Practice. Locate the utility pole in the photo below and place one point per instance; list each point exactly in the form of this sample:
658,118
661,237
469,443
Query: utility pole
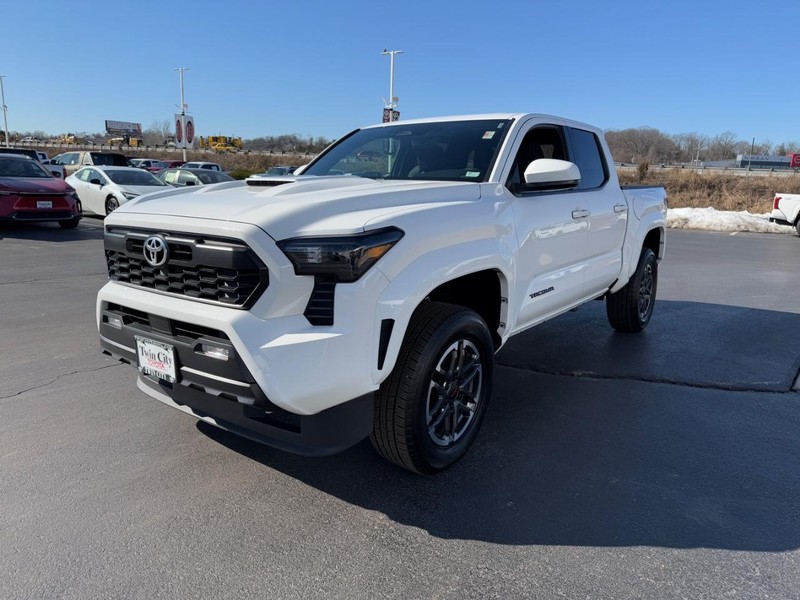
750,156
183,110
5,108
392,104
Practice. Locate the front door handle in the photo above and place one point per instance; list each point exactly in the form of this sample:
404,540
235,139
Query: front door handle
580,214
620,208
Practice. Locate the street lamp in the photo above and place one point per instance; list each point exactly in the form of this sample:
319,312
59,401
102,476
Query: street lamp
183,110
5,108
392,104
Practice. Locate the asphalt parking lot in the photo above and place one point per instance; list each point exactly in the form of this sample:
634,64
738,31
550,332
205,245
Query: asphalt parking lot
663,465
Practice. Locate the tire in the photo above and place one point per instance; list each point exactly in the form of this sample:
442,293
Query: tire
71,224
112,204
797,225
629,310
428,413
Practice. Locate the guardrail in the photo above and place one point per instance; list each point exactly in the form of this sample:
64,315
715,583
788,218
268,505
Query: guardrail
741,171
153,148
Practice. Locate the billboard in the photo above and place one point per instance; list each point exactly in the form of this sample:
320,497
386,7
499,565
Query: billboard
123,128
184,131
795,160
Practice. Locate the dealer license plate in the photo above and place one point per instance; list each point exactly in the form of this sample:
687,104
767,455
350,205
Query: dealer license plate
156,359
44,204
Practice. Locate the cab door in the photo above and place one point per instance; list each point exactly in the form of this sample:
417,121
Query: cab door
551,231
608,211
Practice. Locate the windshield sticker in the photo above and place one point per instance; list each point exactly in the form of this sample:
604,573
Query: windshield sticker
500,126
472,174
488,135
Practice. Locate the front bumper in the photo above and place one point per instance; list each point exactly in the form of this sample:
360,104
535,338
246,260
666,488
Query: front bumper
224,392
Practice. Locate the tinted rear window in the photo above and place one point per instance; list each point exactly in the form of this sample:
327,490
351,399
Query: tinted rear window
31,153
114,160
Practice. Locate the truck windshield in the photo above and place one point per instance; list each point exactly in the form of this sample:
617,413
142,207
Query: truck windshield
442,151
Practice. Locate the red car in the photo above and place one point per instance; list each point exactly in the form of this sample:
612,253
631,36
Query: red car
29,192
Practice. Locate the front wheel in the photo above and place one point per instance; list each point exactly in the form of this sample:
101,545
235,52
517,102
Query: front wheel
428,412
629,310
112,204
797,225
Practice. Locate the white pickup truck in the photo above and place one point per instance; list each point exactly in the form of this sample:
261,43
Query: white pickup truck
368,295
786,210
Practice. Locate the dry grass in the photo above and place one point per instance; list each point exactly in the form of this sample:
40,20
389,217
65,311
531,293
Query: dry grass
723,191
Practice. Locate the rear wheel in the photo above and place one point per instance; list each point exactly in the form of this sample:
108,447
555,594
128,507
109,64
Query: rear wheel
629,310
112,204
797,225
428,412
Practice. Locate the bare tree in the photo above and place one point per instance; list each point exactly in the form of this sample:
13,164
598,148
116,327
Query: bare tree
725,146
158,133
643,144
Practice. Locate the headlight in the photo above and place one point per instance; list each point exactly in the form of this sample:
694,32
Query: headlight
130,195
346,258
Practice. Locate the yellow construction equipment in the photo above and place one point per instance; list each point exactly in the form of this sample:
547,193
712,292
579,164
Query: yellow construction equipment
126,140
221,143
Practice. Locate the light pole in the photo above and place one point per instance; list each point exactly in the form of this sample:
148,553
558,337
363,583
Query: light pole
183,109
392,104
5,108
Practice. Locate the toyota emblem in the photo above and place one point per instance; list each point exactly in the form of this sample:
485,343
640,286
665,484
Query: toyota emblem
156,251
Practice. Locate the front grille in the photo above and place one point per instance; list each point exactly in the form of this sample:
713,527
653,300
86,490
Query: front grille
209,269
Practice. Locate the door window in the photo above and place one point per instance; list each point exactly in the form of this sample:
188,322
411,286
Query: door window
589,158
543,141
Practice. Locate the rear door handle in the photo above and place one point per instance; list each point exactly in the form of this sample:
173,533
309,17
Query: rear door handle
620,208
580,214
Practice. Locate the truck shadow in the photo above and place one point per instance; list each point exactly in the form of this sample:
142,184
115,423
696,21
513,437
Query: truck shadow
604,458
87,229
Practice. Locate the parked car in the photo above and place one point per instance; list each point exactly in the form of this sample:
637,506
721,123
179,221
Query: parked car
172,164
30,140
56,170
211,166
102,189
29,192
150,164
73,161
280,170
184,177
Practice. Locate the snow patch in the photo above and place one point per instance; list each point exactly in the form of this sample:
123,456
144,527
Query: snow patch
711,219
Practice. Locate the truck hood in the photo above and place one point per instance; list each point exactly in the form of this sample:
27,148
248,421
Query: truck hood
287,207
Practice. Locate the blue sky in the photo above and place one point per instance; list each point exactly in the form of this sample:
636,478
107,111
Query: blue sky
315,67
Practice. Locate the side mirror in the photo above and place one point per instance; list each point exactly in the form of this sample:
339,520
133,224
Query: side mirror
190,182
551,174
96,181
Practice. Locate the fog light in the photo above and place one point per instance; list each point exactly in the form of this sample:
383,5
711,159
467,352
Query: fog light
114,321
214,351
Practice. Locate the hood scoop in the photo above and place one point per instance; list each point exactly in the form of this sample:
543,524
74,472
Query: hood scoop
269,181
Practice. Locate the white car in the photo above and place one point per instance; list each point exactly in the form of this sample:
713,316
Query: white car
102,189
211,166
